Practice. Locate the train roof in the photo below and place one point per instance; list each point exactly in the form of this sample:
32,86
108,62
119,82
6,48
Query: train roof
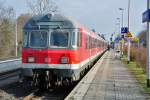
47,19
44,21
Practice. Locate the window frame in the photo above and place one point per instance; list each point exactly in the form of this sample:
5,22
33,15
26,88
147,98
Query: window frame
29,33
50,32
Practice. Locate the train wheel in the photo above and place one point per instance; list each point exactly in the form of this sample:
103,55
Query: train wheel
35,82
42,82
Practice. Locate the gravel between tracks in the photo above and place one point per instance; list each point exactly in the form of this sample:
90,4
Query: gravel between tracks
6,96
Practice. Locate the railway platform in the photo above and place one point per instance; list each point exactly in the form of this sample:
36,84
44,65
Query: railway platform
109,79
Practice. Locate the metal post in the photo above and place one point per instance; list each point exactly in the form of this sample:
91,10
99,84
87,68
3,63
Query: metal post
119,31
122,46
122,41
123,34
148,49
121,9
128,14
129,44
119,25
16,39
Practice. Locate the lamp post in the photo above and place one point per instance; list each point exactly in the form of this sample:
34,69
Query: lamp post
122,35
118,23
129,44
148,49
119,31
129,14
16,39
146,18
122,10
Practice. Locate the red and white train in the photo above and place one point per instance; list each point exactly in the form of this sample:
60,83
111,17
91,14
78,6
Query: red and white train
57,49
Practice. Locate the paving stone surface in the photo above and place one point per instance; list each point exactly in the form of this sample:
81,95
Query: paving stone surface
113,81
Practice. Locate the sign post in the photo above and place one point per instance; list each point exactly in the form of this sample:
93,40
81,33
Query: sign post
128,35
146,18
148,47
123,31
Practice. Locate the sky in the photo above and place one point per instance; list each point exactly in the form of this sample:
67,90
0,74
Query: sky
98,14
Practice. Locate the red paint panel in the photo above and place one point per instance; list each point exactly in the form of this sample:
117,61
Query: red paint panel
54,56
50,56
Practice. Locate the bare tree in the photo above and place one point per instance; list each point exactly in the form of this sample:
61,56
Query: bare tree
6,12
42,6
6,30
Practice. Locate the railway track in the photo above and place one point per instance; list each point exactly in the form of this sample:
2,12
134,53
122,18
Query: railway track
56,94
10,71
24,91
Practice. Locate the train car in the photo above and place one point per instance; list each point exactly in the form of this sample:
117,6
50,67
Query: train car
58,49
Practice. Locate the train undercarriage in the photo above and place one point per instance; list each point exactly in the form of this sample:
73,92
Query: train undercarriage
47,79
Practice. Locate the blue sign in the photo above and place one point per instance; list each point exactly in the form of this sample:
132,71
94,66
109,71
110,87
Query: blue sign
117,39
146,16
124,30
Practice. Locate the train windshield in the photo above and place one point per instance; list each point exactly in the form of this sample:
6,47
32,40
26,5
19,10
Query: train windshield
38,39
59,39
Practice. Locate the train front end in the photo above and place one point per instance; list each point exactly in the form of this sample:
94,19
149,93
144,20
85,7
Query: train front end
50,52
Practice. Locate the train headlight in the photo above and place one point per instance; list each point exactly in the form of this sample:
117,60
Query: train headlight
31,59
47,60
64,60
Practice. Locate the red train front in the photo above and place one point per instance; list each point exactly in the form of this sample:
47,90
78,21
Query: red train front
57,49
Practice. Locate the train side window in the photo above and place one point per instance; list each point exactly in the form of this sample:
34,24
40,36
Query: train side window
87,42
80,39
25,39
74,39
90,42
79,42
95,43
100,43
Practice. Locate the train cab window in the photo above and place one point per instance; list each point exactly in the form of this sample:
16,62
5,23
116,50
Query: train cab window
25,39
59,39
38,39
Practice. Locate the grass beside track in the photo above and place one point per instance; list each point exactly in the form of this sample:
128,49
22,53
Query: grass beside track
138,73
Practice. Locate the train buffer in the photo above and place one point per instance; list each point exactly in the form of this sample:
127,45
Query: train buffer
109,79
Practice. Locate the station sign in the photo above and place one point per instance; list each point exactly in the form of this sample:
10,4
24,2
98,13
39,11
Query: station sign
146,16
117,39
135,39
128,34
124,30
